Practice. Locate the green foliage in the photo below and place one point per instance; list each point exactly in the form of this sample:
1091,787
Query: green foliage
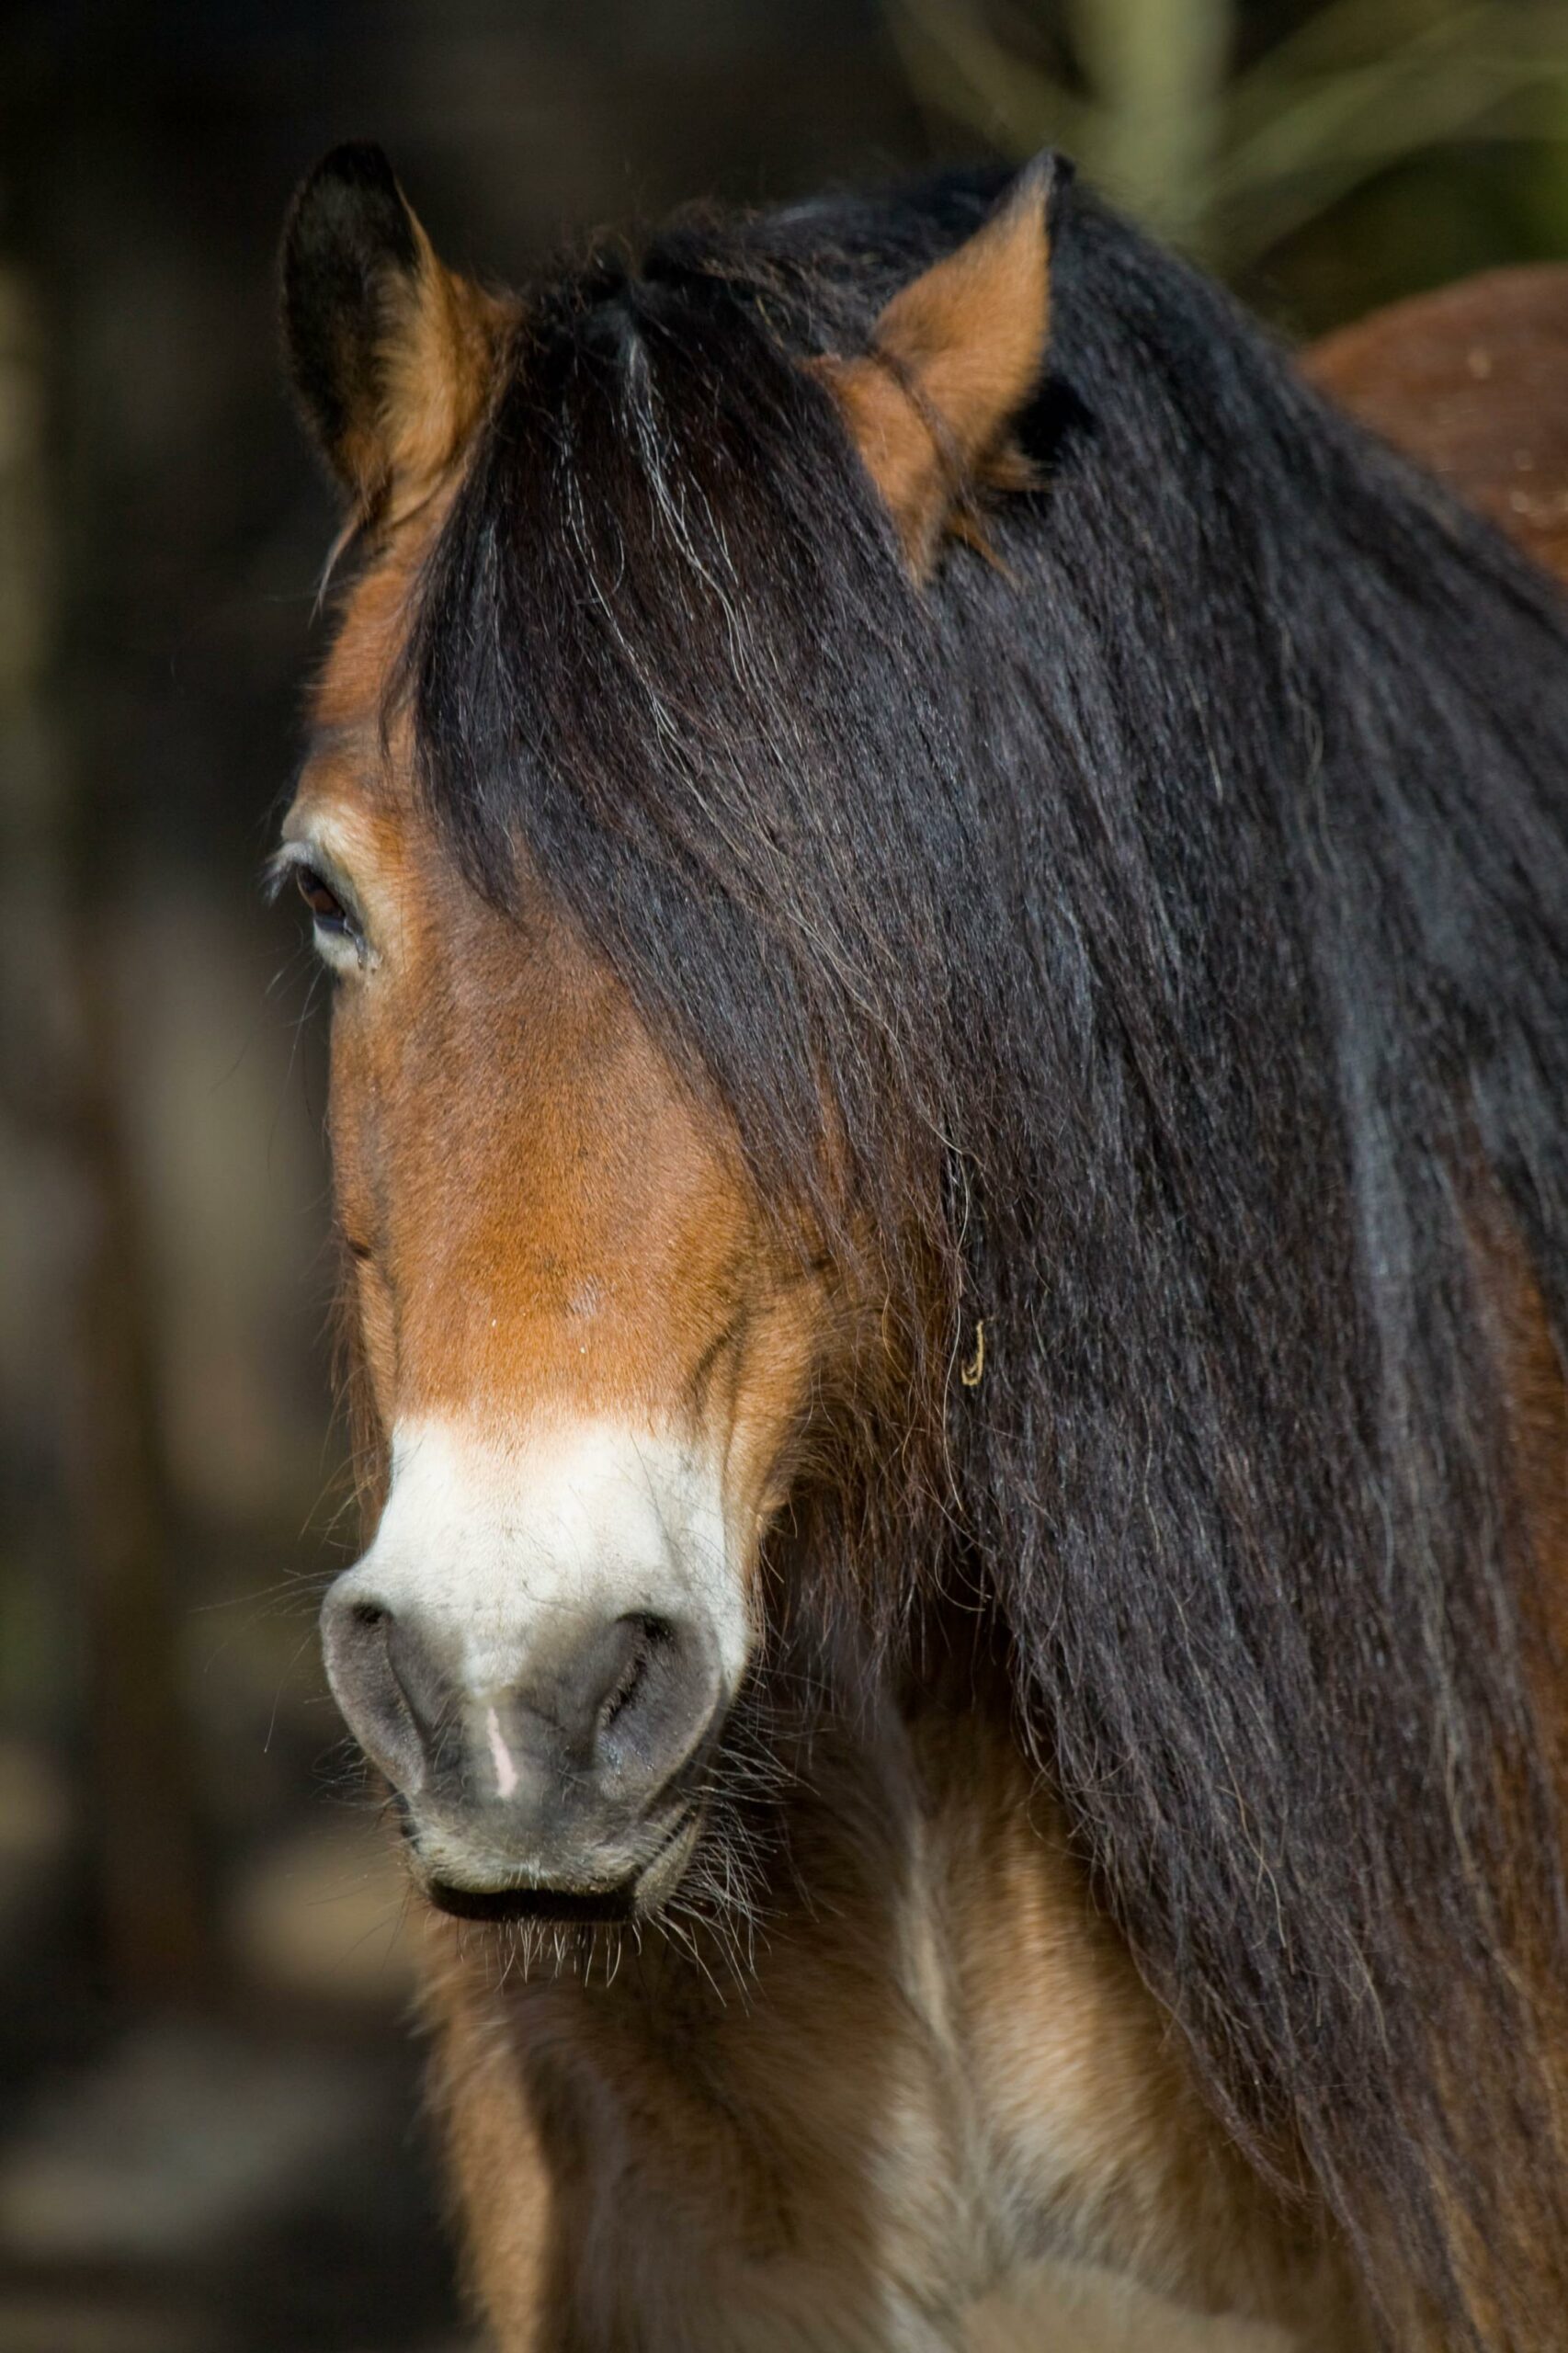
1233,148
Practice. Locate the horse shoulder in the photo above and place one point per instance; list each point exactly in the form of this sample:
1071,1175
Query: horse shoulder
1472,382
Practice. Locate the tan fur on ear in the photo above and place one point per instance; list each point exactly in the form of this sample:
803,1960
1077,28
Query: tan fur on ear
437,363
952,359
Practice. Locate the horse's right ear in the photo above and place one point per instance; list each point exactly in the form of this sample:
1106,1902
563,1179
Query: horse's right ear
954,358
390,354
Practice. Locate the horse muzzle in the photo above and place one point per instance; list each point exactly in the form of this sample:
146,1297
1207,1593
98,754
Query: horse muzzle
540,1663
576,1780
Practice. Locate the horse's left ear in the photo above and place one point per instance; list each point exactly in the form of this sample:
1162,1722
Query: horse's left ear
391,353
953,359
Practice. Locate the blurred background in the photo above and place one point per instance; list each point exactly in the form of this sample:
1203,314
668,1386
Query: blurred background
209,2139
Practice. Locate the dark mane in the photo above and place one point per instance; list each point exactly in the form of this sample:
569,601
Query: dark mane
1173,918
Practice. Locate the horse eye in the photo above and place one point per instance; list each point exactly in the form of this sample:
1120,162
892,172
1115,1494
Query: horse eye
323,903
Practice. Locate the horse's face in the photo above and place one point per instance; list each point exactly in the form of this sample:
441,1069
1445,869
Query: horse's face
584,1355
589,1349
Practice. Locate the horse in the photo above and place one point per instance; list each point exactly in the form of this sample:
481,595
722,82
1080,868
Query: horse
948,898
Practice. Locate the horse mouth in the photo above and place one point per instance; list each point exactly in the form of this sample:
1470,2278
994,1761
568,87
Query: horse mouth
548,1906
635,1896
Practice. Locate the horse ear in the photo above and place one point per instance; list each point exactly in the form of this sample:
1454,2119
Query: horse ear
390,353
953,359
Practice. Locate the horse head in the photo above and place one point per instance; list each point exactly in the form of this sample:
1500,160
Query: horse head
595,1352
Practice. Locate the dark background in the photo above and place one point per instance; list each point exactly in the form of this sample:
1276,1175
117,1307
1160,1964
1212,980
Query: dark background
208,2137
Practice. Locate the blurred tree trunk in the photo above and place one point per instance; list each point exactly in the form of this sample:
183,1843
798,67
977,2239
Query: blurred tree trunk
60,1065
1158,69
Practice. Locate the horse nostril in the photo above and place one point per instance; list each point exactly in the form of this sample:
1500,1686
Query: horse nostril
384,1685
648,1634
655,1703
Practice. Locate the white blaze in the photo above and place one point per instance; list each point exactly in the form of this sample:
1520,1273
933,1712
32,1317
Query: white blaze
494,1541
506,1771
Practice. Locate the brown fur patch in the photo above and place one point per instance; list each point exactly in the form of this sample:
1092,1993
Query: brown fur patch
1472,382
